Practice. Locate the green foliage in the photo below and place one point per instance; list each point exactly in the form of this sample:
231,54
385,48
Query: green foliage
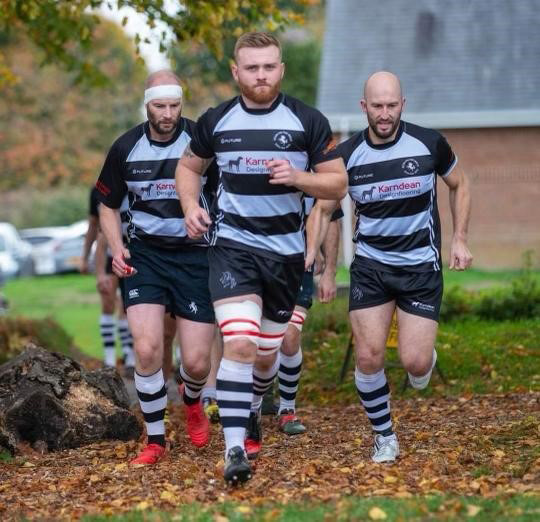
66,32
55,131
519,301
27,208
16,333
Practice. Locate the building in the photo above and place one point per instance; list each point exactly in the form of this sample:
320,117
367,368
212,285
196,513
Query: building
469,69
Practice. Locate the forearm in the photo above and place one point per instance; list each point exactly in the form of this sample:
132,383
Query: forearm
328,185
317,225
109,220
460,207
90,237
188,185
101,254
330,248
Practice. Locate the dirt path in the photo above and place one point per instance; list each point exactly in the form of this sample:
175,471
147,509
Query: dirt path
486,445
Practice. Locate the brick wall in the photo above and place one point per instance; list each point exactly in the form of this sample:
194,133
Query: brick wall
504,168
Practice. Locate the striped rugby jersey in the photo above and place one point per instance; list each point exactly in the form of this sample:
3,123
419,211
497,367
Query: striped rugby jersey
144,169
249,213
394,187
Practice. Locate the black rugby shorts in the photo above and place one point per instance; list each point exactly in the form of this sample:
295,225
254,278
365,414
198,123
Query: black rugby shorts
235,272
418,293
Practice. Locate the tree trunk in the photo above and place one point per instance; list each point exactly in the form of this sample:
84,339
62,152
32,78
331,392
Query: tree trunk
49,401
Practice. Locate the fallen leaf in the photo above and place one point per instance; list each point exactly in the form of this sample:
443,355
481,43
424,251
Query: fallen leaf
473,510
376,513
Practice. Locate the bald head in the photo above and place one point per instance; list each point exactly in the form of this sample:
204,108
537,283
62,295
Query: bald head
382,83
162,77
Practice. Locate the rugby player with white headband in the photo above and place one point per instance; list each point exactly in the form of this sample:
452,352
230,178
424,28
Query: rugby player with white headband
166,268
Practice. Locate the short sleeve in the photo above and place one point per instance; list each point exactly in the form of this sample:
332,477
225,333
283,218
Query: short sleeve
321,145
93,203
111,185
445,157
201,141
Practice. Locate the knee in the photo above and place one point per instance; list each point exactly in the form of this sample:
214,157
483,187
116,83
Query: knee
369,359
417,364
240,350
147,353
265,363
197,367
291,341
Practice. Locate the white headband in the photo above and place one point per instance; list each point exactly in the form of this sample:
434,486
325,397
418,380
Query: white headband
162,91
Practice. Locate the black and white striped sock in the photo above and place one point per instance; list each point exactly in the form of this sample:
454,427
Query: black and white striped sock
234,390
262,382
290,369
192,387
107,325
126,341
374,394
153,400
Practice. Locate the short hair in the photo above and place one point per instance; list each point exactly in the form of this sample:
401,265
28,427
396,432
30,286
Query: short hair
256,39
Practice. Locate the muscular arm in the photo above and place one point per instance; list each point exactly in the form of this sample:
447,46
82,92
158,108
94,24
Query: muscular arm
329,182
327,282
89,238
460,207
188,174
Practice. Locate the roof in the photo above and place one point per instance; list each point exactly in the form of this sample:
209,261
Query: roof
461,63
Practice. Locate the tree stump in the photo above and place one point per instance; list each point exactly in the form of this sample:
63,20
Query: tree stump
49,401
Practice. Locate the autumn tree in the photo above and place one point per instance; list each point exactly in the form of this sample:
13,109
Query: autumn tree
56,131
66,29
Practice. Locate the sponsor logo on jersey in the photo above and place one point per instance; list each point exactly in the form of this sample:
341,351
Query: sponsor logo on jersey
410,166
399,186
141,171
230,140
363,176
133,293
146,190
282,140
227,280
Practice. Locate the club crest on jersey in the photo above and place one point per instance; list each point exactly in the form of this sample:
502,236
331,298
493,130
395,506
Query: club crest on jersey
282,140
410,166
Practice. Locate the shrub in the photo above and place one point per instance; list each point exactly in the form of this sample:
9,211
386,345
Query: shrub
17,332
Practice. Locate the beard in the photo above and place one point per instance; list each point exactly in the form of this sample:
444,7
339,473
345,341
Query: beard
163,126
394,124
260,95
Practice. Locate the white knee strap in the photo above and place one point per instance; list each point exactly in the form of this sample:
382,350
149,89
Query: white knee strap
271,336
297,319
239,321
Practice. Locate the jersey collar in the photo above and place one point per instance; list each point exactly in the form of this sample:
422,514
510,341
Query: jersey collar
272,107
380,146
177,132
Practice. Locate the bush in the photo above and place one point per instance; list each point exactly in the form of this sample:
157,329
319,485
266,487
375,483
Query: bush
17,332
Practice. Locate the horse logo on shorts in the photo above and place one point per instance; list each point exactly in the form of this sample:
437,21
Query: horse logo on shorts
227,280
357,293
193,307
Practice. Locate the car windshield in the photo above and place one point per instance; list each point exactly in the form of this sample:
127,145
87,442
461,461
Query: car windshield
37,240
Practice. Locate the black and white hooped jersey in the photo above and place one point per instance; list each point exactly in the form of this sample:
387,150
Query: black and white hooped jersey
249,212
394,186
144,169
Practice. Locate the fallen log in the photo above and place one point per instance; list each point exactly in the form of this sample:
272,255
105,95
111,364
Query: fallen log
51,402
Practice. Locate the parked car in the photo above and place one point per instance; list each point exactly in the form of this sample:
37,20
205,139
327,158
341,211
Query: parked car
45,242
58,249
19,250
8,266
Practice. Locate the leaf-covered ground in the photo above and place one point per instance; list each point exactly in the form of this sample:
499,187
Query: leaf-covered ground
483,445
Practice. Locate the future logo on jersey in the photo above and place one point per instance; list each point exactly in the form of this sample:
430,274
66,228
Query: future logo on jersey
410,166
282,140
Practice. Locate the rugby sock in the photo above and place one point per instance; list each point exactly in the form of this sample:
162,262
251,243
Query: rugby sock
234,391
374,395
106,328
421,382
153,400
126,341
262,382
192,387
208,392
290,369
